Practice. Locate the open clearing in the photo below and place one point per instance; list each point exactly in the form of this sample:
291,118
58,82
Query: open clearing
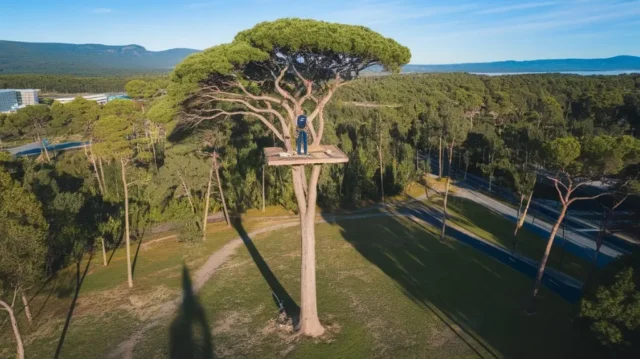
387,287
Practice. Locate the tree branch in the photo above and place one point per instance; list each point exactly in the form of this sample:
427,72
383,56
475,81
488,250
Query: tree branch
582,184
15,294
619,202
276,82
559,192
269,109
320,108
557,181
585,198
219,113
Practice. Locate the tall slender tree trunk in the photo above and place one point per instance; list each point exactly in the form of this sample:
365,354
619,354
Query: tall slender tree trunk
126,221
381,171
545,258
263,190
440,158
27,310
104,253
224,203
187,191
520,207
155,156
600,239
95,170
446,194
523,216
206,200
16,330
517,221
104,184
466,169
309,321
46,152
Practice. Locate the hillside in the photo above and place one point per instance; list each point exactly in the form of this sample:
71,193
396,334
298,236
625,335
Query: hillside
617,63
85,59
95,59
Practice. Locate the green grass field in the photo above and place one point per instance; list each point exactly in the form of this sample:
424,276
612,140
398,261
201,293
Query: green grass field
497,229
387,287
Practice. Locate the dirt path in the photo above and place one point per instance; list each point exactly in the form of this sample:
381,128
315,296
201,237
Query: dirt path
125,349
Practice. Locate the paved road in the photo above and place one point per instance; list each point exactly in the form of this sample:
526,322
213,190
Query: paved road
566,286
580,234
576,242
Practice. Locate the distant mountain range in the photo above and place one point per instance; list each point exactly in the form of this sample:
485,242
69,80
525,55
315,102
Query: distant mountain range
87,59
617,63
94,59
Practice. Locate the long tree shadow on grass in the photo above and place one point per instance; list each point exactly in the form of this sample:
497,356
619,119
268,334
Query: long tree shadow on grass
479,299
280,295
79,281
135,257
189,335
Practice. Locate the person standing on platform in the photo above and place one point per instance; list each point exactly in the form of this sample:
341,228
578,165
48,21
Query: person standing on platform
301,127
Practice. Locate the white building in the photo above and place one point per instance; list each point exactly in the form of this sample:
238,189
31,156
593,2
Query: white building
100,98
27,97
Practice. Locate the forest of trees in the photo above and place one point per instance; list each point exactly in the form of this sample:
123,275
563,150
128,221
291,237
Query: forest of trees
62,84
148,166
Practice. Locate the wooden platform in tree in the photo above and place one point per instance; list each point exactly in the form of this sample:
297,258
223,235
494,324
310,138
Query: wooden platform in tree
322,154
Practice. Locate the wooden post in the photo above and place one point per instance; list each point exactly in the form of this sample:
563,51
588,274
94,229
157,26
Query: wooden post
263,197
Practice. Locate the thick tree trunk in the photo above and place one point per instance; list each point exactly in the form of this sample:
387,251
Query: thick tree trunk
523,216
446,195
104,184
27,310
126,222
16,330
104,253
206,200
309,322
545,258
224,203
187,191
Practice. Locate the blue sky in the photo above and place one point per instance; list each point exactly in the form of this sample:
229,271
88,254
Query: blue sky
437,32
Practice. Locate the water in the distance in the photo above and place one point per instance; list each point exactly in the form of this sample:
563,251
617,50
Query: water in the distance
582,73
